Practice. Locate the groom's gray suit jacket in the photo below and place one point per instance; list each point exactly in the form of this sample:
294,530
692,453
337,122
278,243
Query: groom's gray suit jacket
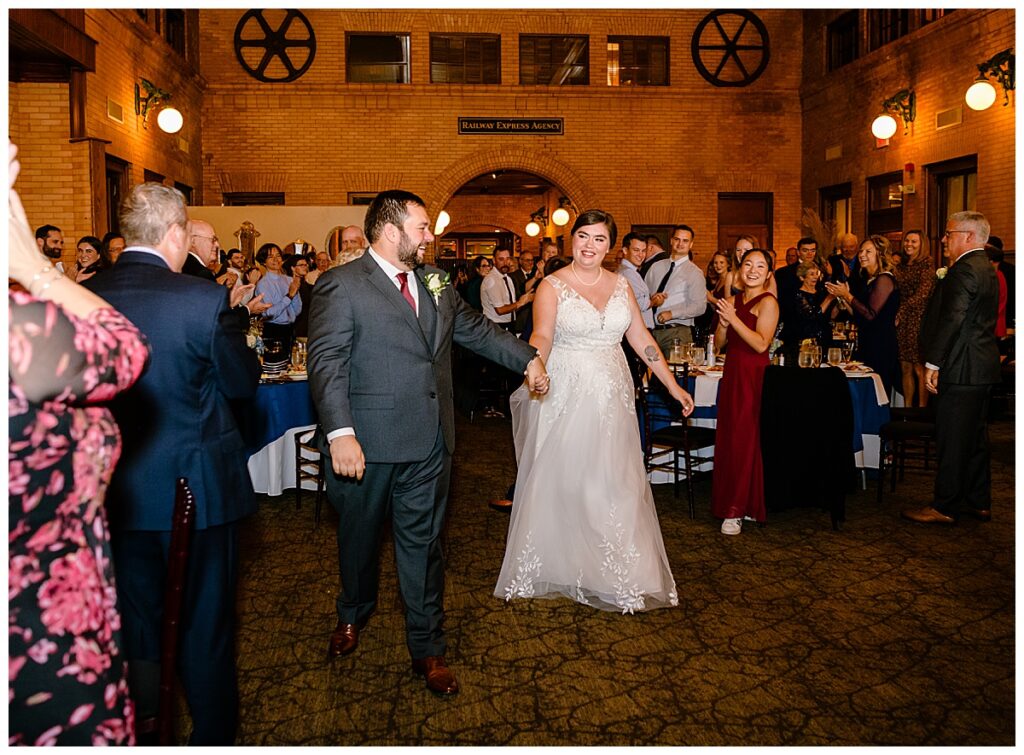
376,367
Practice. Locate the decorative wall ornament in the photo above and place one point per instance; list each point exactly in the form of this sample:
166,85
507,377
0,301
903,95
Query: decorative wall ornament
730,48
274,55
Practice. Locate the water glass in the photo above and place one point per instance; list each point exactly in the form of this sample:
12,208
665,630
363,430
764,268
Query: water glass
804,359
835,355
815,356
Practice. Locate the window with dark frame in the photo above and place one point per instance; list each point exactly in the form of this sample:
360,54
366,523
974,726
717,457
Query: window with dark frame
834,207
885,204
465,59
186,191
885,26
927,15
377,58
174,30
638,61
242,198
547,60
841,40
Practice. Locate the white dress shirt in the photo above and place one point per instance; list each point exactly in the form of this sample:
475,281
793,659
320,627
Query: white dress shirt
686,291
497,290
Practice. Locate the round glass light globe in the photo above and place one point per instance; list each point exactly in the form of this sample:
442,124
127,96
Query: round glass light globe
532,229
883,127
980,95
170,120
560,216
443,219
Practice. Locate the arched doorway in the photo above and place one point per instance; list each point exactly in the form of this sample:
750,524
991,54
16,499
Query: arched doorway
503,208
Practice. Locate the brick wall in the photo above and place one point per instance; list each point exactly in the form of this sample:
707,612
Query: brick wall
58,184
650,155
939,62
54,180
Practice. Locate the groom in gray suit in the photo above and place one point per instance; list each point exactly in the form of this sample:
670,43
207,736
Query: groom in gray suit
380,338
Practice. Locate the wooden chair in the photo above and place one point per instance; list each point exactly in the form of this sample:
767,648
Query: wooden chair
307,468
665,428
182,520
904,439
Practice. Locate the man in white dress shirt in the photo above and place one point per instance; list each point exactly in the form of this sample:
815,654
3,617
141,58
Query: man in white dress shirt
497,293
677,291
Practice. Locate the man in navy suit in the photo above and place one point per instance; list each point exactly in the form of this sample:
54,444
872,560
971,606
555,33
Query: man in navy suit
961,356
380,347
176,422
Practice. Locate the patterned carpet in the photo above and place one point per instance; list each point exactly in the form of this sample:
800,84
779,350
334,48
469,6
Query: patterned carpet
886,633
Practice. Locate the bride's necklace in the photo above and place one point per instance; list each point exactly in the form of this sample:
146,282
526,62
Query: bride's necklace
572,269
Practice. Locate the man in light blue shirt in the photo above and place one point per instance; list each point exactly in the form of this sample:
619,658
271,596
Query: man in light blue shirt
634,249
677,291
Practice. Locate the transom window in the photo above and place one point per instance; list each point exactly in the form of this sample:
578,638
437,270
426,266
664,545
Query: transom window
554,60
465,59
637,61
377,58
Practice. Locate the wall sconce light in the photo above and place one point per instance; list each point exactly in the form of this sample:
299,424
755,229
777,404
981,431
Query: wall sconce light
1002,67
903,104
561,216
443,219
538,220
169,120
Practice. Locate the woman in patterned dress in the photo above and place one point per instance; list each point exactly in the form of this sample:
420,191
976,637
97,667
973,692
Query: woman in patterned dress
67,349
915,278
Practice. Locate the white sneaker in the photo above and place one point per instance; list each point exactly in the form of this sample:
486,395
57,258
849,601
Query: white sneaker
732,526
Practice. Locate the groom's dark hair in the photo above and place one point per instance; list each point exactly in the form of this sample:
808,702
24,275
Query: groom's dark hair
388,207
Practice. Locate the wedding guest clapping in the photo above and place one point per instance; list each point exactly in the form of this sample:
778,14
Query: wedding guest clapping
874,311
282,293
747,324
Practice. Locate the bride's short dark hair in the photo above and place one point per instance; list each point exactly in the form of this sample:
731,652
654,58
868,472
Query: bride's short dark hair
593,217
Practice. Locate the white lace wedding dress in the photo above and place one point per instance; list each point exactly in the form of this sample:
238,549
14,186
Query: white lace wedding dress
583,519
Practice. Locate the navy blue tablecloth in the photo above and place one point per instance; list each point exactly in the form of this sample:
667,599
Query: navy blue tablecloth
277,408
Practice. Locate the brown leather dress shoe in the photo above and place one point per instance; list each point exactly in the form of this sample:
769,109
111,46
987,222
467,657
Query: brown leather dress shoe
344,639
982,515
927,515
501,504
440,679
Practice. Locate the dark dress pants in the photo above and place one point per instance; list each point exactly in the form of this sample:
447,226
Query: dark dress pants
206,659
964,477
415,496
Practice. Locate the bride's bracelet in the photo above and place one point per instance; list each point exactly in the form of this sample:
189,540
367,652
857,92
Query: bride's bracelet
38,276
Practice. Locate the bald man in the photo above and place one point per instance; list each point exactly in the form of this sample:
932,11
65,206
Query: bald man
353,243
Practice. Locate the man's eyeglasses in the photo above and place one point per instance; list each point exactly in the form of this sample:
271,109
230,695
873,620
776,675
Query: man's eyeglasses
197,236
955,230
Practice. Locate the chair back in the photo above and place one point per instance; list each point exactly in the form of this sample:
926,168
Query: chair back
182,521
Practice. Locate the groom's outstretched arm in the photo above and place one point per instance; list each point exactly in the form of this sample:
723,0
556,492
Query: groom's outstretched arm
475,332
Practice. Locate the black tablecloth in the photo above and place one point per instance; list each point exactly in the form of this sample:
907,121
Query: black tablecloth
806,439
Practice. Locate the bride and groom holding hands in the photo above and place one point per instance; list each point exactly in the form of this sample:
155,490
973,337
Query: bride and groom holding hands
381,331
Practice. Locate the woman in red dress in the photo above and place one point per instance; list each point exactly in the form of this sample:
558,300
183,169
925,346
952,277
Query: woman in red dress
747,323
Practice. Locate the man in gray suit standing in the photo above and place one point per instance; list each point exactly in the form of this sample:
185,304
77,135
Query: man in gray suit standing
958,343
380,338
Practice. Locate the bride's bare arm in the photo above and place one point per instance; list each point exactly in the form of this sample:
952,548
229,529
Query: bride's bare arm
643,343
545,305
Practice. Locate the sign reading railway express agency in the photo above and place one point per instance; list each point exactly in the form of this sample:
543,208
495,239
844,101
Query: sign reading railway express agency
549,126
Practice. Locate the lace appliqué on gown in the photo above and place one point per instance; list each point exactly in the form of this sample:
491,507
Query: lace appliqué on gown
583,522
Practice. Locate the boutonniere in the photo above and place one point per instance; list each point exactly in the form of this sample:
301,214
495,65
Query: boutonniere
436,284
941,272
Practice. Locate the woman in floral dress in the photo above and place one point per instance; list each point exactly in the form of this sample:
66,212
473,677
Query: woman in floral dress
67,348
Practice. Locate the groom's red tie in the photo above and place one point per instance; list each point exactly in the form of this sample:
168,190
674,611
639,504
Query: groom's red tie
403,281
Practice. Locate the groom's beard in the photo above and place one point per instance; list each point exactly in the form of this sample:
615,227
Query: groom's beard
409,252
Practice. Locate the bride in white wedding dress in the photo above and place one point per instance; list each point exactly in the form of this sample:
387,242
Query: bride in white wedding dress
583,520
